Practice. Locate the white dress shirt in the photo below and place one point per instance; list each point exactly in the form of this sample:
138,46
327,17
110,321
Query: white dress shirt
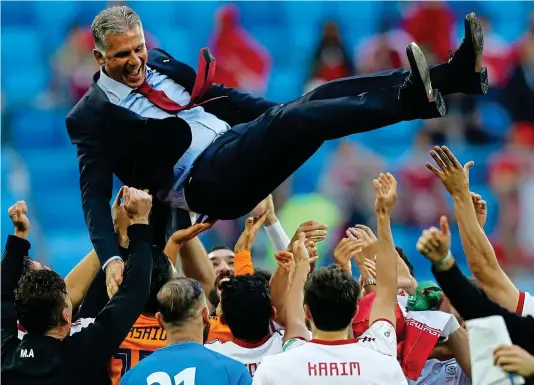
205,127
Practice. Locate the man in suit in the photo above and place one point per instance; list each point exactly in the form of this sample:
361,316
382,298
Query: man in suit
142,121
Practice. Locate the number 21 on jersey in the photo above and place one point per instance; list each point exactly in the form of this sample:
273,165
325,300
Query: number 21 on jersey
185,377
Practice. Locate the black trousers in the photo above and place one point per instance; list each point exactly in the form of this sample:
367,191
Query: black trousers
247,163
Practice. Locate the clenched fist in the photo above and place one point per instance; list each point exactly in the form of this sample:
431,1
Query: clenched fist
137,204
17,213
435,244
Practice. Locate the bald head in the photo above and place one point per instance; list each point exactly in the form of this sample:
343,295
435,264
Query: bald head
180,300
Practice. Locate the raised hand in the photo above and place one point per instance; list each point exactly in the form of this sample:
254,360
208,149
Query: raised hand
313,231
300,253
514,359
266,205
248,236
185,235
137,205
346,249
386,192
481,209
368,239
452,174
17,213
434,244
285,260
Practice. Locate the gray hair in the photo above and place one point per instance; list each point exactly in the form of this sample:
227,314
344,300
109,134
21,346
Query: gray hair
113,21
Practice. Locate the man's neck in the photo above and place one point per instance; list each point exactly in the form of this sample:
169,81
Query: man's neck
331,336
57,334
184,335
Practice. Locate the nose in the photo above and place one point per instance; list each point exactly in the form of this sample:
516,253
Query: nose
134,62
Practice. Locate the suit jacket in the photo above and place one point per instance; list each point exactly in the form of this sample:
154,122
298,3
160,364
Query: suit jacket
84,356
140,151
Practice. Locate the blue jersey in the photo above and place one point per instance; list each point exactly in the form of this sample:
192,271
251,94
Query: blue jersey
187,363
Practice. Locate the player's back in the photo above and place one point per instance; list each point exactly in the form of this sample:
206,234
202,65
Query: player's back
250,355
321,363
187,363
144,338
370,360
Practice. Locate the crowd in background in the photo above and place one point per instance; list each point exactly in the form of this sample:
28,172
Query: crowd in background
497,131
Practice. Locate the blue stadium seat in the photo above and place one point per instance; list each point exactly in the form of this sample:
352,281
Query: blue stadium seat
21,86
285,85
179,43
164,16
17,13
53,170
34,129
67,248
21,49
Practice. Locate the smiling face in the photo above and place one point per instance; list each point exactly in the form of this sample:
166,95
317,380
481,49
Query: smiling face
125,57
223,267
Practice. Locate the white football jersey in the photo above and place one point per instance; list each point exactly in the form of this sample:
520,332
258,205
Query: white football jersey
249,354
437,372
525,306
371,359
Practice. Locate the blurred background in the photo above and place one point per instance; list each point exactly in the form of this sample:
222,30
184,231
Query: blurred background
280,50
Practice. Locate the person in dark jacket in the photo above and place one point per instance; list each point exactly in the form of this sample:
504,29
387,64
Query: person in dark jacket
48,354
153,122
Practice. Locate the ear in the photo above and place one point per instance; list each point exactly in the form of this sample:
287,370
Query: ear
66,316
159,318
274,313
99,57
307,312
206,315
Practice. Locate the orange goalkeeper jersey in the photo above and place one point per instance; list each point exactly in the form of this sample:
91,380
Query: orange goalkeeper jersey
144,338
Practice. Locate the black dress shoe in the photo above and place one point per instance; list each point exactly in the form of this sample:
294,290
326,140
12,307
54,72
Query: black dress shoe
466,62
416,94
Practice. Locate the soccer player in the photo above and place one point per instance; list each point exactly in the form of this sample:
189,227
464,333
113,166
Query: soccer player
183,312
247,310
330,298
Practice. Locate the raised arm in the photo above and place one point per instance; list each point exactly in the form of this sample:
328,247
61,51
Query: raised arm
478,250
12,264
98,341
386,263
467,299
295,318
193,256
80,277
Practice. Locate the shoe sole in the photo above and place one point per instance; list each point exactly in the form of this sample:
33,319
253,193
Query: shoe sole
473,30
418,62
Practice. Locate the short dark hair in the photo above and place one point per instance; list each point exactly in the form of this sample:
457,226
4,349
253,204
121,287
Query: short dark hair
404,257
266,274
40,300
246,306
178,299
331,295
161,274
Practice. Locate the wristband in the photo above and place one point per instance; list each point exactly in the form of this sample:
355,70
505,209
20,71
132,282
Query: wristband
369,282
443,261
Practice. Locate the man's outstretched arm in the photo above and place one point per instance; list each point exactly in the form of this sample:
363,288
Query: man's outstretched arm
470,214
96,184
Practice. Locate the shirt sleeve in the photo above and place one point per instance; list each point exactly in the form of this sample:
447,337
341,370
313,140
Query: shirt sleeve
261,375
398,377
243,263
381,337
525,305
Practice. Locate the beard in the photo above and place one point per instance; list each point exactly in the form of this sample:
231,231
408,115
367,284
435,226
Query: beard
213,297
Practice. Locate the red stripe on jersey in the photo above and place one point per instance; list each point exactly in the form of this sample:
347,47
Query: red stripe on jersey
520,303
334,342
